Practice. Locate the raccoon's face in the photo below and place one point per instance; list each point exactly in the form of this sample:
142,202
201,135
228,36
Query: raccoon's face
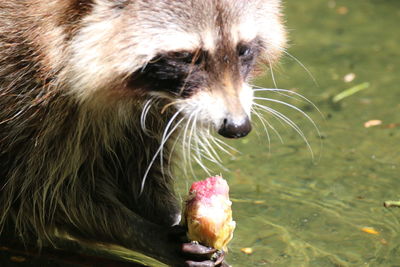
198,54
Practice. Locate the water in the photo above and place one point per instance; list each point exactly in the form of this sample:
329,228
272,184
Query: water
295,210
295,207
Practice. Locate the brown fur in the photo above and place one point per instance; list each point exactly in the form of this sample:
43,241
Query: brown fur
72,152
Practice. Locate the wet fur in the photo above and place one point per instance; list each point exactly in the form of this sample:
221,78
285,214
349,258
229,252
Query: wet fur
72,151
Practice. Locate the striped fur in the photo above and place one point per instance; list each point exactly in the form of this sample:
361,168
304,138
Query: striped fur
73,152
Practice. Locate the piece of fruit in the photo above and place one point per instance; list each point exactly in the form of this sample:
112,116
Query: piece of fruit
208,213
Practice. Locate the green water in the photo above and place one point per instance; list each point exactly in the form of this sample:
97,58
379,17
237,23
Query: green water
293,210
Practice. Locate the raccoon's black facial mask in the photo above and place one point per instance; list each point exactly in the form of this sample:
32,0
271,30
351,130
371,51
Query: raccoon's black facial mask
176,73
247,54
182,73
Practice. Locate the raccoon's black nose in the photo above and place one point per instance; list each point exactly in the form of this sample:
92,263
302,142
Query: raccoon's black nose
235,128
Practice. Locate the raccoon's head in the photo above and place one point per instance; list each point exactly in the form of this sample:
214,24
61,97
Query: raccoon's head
198,54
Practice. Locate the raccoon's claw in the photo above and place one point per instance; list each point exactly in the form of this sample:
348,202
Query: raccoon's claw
204,256
205,264
218,257
195,254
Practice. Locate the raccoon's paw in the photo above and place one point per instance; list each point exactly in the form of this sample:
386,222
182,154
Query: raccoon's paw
202,256
195,254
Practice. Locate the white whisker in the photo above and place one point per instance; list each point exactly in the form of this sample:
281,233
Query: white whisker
172,152
283,91
184,138
207,170
205,152
189,145
302,65
211,148
272,71
198,151
293,107
290,123
262,120
164,139
213,139
228,146
144,113
268,123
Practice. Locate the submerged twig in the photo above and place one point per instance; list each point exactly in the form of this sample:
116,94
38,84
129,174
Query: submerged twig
350,91
391,204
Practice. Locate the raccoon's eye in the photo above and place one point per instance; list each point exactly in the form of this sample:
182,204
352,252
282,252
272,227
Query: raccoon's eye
244,51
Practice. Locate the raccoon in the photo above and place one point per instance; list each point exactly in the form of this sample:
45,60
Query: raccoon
93,94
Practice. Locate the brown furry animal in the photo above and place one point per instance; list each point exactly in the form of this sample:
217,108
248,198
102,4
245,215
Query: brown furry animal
93,94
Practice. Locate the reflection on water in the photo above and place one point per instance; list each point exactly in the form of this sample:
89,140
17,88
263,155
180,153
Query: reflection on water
297,210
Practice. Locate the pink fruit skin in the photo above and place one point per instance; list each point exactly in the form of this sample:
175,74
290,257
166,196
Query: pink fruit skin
212,186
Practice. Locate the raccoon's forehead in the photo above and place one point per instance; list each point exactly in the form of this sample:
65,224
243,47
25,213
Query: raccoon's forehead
185,25
161,25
